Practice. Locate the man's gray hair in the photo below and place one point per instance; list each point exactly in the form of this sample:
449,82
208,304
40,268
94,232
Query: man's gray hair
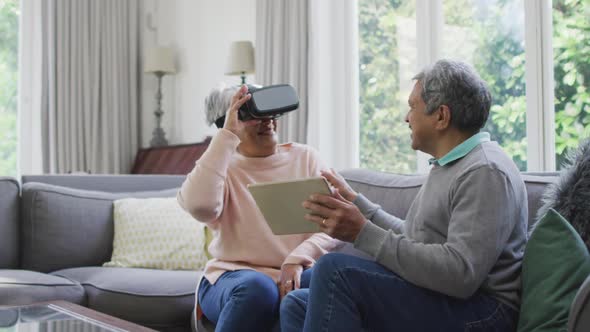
456,85
218,101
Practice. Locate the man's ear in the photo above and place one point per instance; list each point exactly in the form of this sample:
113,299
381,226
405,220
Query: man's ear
443,114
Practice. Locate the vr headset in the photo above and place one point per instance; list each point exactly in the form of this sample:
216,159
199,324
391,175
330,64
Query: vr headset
267,102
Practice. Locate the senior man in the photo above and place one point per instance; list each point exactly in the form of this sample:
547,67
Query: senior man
454,263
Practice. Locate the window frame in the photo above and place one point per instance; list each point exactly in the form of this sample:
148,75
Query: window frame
540,112
540,115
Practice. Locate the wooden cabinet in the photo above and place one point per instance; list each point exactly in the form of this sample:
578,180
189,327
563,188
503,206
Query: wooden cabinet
170,159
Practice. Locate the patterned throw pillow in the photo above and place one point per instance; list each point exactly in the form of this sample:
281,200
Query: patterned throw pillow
156,233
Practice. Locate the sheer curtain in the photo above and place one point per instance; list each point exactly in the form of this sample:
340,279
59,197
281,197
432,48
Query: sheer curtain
30,160
282,57
88,98
314,46
334,82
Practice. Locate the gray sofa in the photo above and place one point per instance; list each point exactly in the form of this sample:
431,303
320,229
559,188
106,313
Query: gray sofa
56,231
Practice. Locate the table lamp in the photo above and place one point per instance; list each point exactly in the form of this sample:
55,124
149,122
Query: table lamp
159,61
241,59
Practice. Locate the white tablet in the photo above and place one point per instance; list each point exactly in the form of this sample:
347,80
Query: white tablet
280,203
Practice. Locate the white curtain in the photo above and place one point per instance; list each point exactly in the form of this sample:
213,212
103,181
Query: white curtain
314,46
334,82
282,57
90,85
29,88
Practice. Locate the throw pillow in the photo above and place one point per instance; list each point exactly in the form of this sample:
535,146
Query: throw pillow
571,193
156,233
556,263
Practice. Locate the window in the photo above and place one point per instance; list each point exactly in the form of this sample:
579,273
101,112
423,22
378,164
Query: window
9,13
506,42
571,51
489,34
387,61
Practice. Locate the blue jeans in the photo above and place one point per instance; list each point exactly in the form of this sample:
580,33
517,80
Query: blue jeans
243,300
348,293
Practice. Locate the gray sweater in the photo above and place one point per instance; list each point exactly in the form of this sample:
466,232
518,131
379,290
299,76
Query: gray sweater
465,231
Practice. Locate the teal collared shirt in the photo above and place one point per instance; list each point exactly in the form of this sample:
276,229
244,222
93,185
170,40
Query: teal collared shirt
462,149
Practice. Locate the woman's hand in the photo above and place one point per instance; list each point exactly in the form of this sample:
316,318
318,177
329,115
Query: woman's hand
232,122
290,278
335,215
338,182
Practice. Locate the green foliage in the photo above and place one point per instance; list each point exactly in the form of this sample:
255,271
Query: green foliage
384,135
571,47
500,60
8,144
8,85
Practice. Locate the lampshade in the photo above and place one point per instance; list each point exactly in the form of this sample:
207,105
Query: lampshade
241,58
159,59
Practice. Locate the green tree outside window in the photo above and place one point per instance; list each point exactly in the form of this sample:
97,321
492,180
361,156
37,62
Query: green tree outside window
500,60
9,12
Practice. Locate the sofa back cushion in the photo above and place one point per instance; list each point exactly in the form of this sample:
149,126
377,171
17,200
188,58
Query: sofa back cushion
121,183
9,222
64,227
395,192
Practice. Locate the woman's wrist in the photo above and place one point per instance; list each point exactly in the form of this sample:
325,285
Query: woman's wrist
351,195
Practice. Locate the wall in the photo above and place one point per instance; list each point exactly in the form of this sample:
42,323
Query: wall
201,32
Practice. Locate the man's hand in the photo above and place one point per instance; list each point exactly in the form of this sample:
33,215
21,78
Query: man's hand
290,278
232,122
338,182
335,215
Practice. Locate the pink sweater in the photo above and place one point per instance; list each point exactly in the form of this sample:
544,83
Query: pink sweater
215,192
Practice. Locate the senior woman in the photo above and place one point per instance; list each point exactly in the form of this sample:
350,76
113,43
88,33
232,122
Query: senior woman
251,269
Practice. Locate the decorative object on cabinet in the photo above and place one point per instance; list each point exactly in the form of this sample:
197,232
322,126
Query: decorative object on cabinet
171,159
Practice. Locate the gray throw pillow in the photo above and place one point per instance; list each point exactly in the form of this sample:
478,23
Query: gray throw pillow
571,193
64,227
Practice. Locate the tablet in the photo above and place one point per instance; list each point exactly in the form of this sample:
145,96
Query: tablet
280,203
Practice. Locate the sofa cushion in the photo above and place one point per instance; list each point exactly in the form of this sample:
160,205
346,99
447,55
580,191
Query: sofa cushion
396,192
556,263
158,299
157,233
9,203
19,287
393,192
119,183
64,227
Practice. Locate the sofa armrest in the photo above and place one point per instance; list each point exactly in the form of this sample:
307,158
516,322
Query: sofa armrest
579,317
9,222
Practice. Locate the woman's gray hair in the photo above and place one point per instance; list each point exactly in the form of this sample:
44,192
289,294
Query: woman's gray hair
218,101
456,85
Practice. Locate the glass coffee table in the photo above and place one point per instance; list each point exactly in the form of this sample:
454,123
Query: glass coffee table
61,316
